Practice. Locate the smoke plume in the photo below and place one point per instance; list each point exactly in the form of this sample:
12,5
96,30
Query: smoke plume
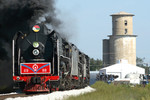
18,15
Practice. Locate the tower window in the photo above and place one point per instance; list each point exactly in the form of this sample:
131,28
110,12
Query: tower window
126,31
125,23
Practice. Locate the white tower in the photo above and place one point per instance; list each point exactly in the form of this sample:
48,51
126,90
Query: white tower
122,43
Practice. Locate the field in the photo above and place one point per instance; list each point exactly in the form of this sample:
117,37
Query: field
105,91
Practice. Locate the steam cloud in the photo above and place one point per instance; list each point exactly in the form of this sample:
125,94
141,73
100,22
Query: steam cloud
18,15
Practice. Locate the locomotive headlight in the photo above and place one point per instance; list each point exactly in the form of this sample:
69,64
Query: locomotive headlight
35,52
18,78
35,44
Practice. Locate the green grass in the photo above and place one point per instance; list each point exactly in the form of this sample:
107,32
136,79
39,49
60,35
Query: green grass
115,92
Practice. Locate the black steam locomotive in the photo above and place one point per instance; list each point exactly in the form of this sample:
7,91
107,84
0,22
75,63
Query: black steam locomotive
45,62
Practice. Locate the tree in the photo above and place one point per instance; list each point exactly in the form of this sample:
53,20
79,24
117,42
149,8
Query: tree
141,63
95,64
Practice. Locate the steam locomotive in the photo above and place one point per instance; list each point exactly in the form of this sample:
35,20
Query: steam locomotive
43,61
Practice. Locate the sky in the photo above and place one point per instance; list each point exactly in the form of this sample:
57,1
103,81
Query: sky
88,22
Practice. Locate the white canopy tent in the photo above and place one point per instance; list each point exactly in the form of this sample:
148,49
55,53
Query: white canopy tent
122,69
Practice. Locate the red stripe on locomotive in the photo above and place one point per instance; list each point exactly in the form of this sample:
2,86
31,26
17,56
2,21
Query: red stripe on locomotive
25,78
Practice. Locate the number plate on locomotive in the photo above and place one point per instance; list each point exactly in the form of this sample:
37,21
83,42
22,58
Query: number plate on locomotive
35,68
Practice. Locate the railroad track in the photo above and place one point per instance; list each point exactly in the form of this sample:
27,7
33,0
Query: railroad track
3,97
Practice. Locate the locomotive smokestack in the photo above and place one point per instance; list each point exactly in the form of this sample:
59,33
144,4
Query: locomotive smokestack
18,15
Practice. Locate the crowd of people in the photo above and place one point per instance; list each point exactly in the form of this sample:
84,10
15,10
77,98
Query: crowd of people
106,78
110,78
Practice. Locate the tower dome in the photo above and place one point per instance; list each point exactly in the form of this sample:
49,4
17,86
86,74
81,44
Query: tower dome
122,23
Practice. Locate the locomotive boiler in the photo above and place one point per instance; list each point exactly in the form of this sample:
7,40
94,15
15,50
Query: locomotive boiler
43,61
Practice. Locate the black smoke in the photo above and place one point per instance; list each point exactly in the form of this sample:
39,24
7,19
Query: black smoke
19,15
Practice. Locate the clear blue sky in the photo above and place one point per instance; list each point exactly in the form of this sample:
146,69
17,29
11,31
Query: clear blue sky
89,22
